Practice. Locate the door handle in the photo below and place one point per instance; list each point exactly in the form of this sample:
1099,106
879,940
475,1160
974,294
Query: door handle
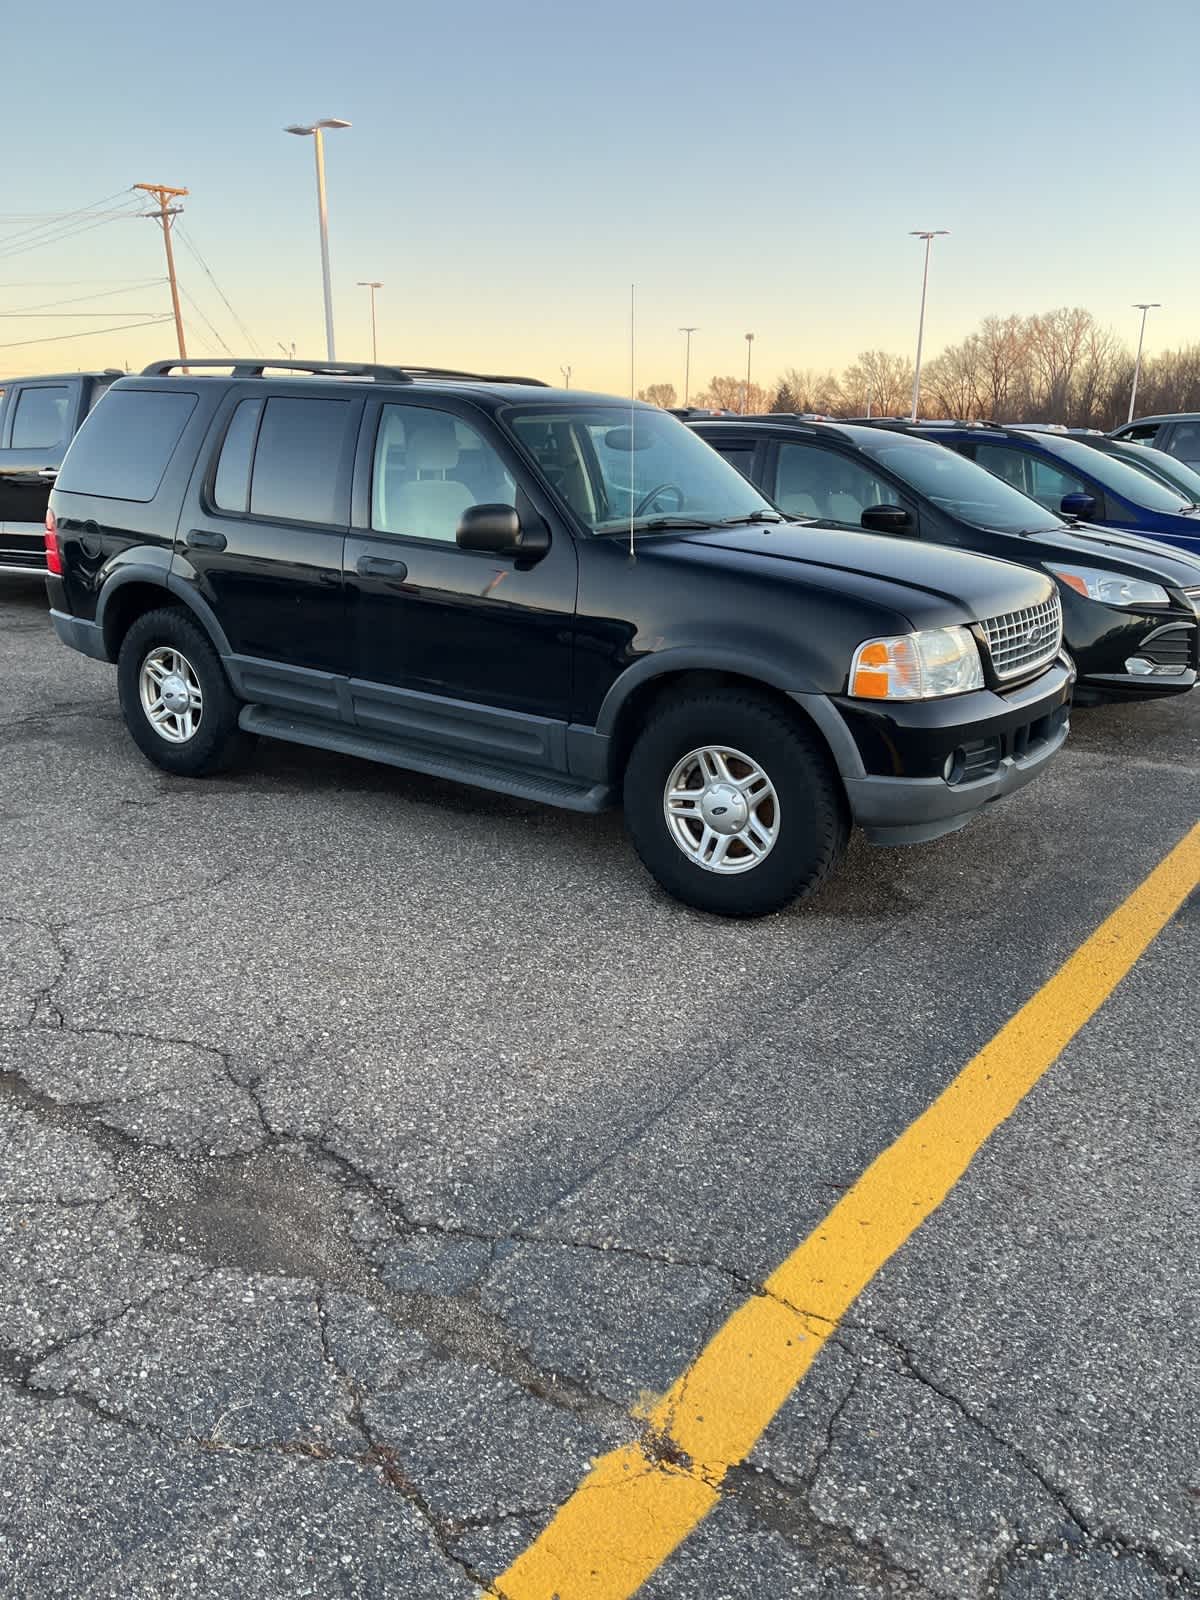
203,539
381,567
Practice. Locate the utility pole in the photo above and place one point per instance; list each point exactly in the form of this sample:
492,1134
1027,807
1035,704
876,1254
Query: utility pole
1143,306
687,363
164,195
566,372
372,284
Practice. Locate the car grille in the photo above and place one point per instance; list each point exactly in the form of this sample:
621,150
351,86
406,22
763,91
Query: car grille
1169,647
1022,641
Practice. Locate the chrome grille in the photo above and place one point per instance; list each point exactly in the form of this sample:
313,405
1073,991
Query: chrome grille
1022,641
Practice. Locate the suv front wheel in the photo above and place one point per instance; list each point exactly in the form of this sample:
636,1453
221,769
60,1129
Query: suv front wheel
732,804
176,698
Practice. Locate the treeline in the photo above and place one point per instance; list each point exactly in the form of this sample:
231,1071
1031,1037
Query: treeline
1062,366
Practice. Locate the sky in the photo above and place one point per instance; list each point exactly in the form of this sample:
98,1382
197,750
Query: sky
513,168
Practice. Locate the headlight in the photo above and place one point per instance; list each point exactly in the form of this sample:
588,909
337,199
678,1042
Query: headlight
1111,587
916,666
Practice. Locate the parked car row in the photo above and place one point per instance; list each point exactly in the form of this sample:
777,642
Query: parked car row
574,599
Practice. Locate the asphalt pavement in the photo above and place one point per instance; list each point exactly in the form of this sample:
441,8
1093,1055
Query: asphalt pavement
374,1149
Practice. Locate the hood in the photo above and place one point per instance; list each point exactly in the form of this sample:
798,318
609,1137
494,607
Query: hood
1128,553
922,580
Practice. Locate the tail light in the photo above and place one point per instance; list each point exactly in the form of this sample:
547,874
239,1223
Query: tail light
53,552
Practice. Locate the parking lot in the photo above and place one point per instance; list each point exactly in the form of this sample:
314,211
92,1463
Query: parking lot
376,1150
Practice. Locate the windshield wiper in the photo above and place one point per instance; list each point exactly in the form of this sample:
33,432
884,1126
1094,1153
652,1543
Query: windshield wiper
753,516
644,524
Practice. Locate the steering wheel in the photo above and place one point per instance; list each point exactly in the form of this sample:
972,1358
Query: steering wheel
648,500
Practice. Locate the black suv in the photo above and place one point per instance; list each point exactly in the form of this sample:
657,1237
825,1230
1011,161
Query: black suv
1129,604
550,594
38,418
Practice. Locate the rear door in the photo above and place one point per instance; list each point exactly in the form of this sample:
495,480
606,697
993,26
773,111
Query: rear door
35,429
262,535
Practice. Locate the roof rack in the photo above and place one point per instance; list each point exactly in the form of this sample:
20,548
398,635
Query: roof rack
256,367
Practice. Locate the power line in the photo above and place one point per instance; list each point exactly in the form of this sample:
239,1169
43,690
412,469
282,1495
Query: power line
60,238
247,335
54,316
57,337
206,322
53,219
100,294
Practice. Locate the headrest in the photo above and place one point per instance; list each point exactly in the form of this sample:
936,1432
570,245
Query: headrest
432,445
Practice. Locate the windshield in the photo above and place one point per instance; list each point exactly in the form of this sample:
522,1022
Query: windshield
959,486
610,463
1117,475
1160,465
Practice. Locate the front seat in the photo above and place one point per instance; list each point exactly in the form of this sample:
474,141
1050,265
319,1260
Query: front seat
427,504
792,485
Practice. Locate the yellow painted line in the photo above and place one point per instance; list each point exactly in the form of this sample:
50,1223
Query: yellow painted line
638,1503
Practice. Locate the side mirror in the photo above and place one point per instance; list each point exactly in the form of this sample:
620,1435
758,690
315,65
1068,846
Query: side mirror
887,519
499,530
1077,504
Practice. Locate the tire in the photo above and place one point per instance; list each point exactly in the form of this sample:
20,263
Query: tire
164,639
802,810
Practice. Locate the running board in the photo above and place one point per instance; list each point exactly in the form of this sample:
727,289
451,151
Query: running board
347,741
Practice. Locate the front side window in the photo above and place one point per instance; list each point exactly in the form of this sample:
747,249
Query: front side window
1142,433
812,481
430,466
1051,483
297,464
1185,442
125,446
40,419
1116,475
611,464
960,487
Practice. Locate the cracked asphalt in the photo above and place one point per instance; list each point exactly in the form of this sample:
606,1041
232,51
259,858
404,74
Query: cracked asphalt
372,1149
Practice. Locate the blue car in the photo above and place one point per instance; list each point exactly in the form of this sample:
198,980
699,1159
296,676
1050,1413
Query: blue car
1067,476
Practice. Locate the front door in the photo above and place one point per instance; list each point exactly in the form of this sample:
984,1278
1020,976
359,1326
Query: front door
455,648
262,538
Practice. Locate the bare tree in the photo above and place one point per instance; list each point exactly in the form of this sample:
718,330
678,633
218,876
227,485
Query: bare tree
729,394
658,394
812,391
885,380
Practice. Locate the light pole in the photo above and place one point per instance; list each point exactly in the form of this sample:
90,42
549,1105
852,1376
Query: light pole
372,285
929,235
1143,306
317,130
566,372
687,362
746,390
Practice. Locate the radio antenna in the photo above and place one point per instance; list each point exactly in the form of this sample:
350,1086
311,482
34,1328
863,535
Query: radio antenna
632,415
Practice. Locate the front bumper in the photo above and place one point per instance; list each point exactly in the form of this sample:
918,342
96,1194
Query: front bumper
1133,655
893,759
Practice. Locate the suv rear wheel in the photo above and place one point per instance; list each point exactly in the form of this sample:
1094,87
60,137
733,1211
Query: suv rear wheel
176,698
733,805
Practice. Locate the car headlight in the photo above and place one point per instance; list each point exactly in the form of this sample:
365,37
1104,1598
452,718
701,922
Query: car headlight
916,666
1112,587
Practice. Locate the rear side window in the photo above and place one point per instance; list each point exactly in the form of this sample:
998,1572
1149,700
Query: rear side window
126,444
40,418
231,487
297,461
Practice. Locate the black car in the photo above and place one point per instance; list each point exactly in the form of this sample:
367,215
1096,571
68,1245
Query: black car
1129,605
38,418
546,593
